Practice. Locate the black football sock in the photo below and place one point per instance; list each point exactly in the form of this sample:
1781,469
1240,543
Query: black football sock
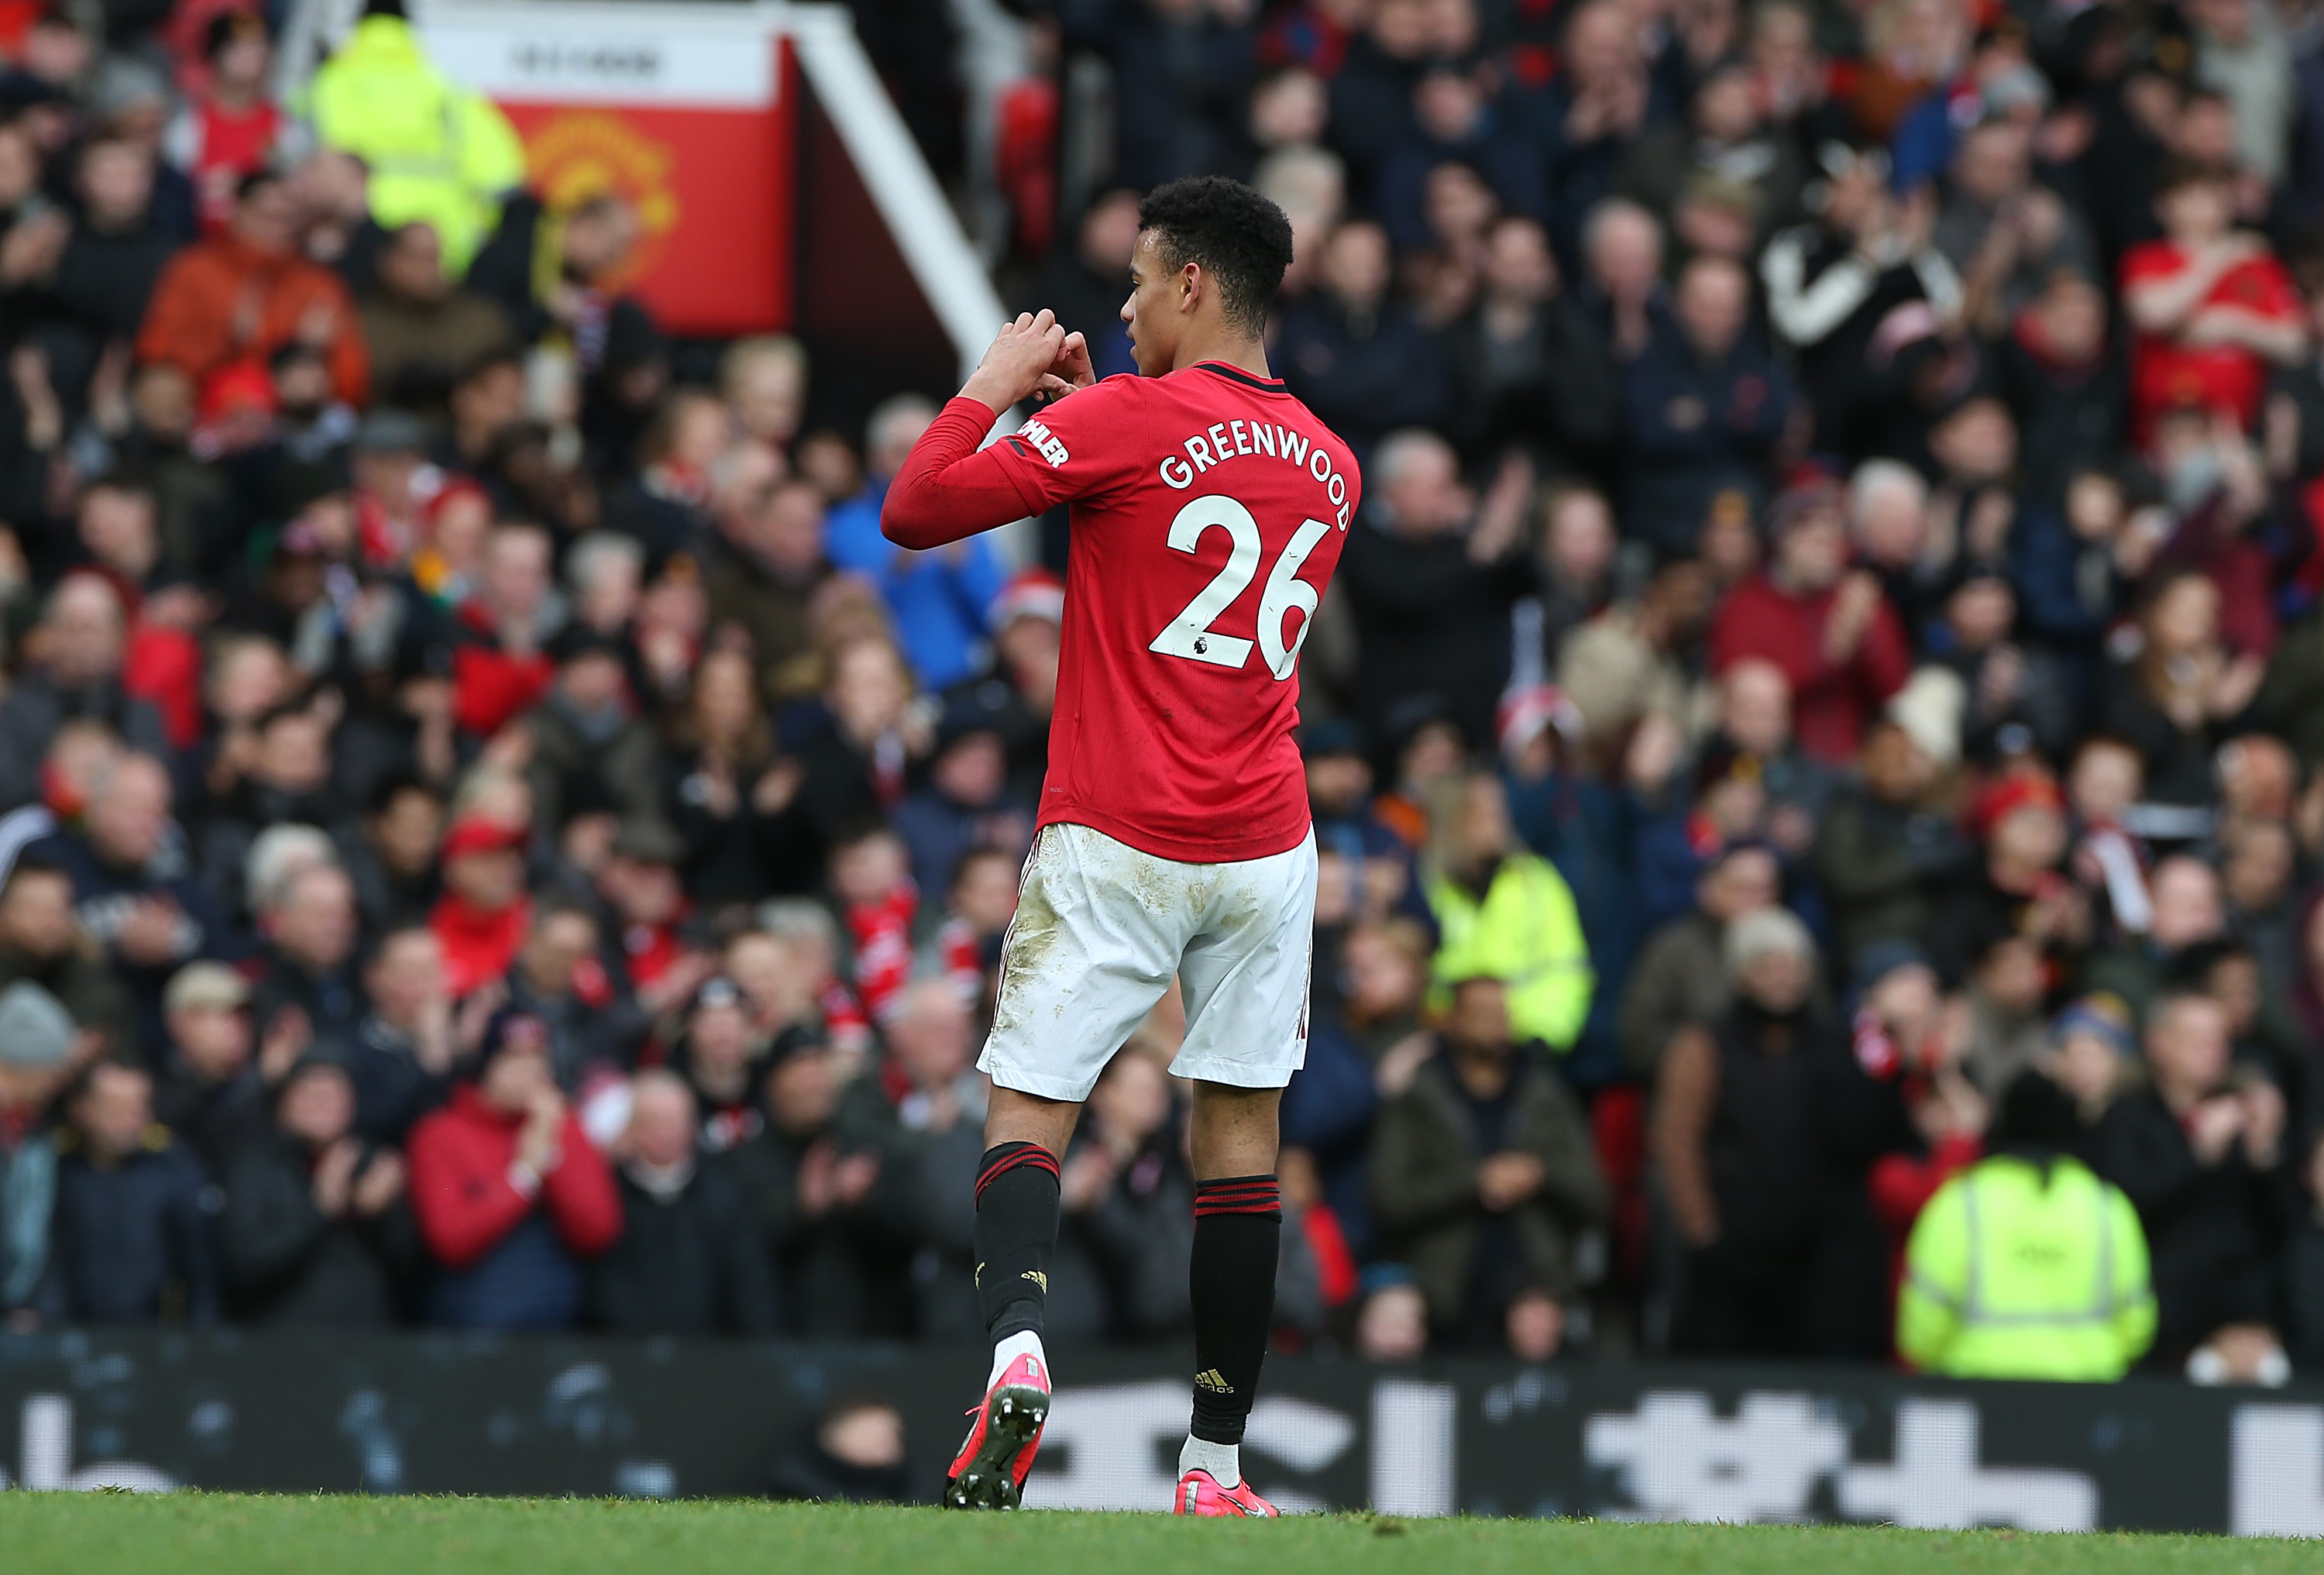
1016,1231
1238,1234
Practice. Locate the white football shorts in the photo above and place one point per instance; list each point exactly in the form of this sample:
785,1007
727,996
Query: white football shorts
1099,930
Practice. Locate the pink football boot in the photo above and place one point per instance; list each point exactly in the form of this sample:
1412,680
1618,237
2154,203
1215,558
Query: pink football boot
1004,1433
1199,1493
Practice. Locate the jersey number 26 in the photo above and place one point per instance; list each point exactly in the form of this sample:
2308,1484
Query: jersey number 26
1190,634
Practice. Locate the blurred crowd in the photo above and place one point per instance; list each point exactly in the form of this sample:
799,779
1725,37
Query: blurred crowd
1826,694
1833,630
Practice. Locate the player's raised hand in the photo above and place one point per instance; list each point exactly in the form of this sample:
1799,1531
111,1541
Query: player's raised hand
1073,370
1020,357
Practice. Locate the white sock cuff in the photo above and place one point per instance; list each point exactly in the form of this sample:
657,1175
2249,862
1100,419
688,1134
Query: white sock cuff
1025,1342
1222,1461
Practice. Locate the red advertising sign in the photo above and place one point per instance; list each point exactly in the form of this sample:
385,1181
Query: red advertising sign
686,111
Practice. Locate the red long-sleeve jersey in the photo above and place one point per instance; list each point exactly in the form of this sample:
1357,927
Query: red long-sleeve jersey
1208,511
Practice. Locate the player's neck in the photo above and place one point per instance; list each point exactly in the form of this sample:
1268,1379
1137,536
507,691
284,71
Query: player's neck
1226,349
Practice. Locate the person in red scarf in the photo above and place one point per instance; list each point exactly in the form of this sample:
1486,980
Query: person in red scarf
483,916
501,667
855,765
879,904
982,900
646,915
393,483
872,879
669,506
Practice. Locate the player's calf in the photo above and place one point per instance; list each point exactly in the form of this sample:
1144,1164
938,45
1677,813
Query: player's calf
1016,1213
1238,1237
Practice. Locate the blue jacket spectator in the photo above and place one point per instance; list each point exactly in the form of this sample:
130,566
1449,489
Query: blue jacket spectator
133,891
2067,571
1340,786
1704,406
1584,828
1431,577
130,1238
940,599
85,633
1589,120
1362,364
967,803
1456,124
1182,69
1371,92
1327,1111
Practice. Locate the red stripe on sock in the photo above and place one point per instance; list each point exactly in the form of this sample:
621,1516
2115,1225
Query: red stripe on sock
1257,1194
1024,1154
1032,1154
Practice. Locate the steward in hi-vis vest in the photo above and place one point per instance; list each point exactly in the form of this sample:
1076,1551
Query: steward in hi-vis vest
2026,1265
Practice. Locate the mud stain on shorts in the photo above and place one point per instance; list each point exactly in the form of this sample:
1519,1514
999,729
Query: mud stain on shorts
1155,886
1030,952
1247,914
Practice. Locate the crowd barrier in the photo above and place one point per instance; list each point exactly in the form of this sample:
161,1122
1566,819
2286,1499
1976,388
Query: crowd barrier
445,1413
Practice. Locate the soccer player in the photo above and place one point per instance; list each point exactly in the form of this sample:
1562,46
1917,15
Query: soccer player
1209,507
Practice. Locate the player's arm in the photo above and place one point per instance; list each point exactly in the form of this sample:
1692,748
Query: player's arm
950,487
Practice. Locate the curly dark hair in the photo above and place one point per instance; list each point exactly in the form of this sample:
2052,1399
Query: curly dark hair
1241,239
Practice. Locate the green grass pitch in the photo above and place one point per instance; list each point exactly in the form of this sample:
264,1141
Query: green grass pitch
208,1533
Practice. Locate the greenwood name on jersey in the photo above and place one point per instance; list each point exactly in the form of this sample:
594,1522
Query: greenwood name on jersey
1208,511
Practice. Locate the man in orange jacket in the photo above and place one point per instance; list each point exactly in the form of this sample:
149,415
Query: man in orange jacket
240,296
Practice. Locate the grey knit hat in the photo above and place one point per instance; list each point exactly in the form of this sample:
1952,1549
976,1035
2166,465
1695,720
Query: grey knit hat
35,1029
1763,934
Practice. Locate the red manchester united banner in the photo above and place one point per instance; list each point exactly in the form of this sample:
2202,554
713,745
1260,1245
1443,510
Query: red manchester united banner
686,111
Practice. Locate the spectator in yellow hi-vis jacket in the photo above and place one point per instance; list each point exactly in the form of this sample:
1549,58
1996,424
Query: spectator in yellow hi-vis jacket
2026,1265
1509,914
439,154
